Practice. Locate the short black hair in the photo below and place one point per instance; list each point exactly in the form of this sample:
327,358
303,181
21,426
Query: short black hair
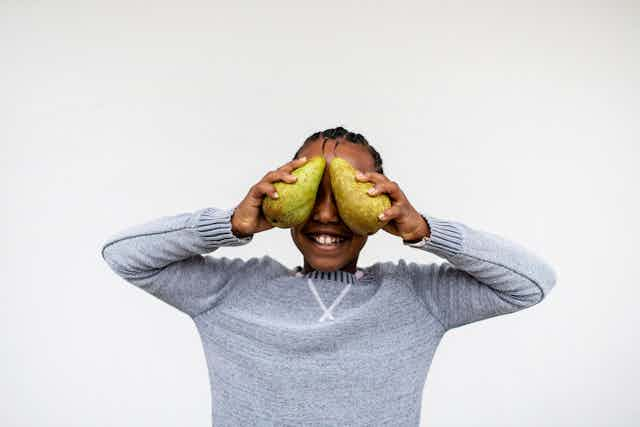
340,132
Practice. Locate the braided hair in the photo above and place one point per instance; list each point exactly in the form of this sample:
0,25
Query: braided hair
341,132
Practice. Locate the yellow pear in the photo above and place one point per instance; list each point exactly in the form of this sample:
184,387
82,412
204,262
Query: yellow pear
358,210
295,200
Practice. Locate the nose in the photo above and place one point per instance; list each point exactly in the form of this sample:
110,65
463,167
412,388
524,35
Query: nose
325,209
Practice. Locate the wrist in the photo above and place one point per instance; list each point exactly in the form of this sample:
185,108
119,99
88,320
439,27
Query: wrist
424,232
238,234
236,231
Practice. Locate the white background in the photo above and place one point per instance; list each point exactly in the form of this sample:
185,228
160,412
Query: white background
519,118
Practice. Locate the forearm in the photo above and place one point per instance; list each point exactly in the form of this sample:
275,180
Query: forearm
146,248
424,232
505,266
486,275
235,230
165,258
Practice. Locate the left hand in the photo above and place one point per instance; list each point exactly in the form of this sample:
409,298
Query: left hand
405,221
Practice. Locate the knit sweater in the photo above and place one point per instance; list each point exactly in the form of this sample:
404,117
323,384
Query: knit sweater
287,348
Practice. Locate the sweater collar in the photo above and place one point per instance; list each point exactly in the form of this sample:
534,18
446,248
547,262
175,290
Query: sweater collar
338,275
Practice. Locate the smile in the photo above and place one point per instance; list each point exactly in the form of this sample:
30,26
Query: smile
327,242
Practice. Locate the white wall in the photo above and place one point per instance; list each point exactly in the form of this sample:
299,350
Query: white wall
520,118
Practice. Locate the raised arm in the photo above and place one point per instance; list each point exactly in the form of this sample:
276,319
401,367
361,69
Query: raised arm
164,257
485,275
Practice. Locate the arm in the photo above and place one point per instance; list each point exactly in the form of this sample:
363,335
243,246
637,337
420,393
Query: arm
485,276
164,257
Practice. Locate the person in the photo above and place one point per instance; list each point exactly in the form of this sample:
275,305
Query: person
328,342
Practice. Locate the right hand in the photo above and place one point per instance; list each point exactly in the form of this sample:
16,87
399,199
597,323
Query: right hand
247,218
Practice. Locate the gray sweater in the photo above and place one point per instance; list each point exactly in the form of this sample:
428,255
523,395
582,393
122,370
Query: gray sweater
285,348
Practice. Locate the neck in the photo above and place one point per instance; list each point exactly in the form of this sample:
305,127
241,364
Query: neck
350,267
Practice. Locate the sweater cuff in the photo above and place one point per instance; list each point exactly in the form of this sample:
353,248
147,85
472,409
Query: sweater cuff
213,226
447,237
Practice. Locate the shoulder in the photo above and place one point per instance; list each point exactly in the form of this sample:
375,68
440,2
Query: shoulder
405,271
273,266
262,265
267,267
398,268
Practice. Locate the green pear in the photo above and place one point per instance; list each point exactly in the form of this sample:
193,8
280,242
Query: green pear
358,210
295,200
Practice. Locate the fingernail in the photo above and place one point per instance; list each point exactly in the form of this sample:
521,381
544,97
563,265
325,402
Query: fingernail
275,195
381,216
359,174
303,158
371,190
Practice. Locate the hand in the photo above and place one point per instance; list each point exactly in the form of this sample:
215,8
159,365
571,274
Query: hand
247,218
405,221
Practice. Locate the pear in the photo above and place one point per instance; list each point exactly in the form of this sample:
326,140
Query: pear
295,200
358,210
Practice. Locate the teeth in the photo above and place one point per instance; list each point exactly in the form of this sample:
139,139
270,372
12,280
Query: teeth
325,239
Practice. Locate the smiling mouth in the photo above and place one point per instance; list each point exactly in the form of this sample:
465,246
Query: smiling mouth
325,242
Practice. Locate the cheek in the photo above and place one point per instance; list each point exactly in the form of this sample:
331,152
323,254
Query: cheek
299,241
355,244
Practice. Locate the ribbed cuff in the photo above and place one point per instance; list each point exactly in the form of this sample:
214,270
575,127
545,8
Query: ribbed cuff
446,236
213,225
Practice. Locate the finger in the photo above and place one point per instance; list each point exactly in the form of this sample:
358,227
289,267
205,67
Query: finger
280,175
391,213
270,176
289,178
294,164
265,188
370,176
283,176
389,187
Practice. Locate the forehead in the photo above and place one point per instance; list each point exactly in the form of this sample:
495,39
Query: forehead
358,155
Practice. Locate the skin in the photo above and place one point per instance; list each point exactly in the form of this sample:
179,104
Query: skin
401,218
404,222
325,211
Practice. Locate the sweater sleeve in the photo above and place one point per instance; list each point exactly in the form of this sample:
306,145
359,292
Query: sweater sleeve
164,257
484,275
